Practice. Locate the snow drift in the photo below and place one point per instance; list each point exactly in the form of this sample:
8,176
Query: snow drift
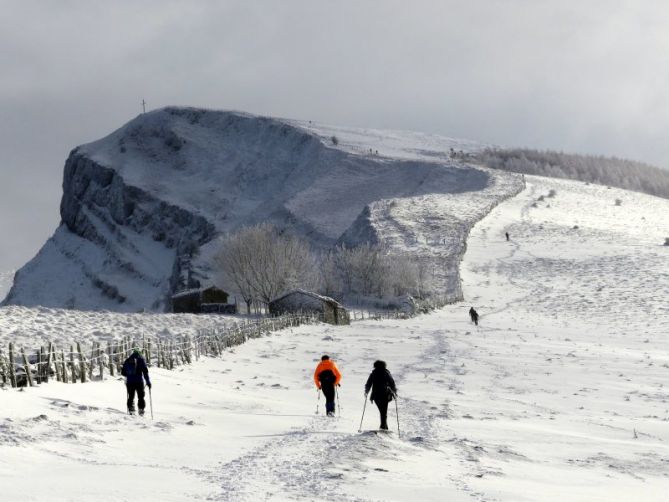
142,207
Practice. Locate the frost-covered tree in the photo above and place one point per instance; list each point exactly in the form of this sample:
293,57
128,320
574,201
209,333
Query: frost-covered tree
262,263
370,270
621,173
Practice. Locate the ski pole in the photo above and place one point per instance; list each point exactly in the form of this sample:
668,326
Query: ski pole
318,392
151,403
363,413
397,414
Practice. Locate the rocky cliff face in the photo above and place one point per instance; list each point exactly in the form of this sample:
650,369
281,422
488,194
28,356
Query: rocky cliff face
142,207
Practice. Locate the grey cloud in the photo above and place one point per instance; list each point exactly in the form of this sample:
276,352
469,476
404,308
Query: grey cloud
577,76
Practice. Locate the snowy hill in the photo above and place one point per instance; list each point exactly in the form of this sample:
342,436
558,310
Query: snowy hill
142,207
558,395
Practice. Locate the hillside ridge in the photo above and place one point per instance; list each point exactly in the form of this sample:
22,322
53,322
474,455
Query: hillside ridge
143,206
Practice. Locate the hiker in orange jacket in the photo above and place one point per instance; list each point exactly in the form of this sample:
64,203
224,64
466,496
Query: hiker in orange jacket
326,377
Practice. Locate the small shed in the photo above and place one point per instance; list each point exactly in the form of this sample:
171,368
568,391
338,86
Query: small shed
199,300
305,301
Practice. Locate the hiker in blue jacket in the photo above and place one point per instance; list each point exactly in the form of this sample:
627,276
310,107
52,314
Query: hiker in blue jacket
134,368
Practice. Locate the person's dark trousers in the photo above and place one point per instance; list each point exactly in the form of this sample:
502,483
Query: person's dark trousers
382,405
329,393
139,389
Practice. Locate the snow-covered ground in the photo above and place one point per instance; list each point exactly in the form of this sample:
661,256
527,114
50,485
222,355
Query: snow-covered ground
558,395
407,145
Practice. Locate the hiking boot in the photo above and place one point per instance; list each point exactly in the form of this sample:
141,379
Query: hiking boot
141,413
384,426
331,413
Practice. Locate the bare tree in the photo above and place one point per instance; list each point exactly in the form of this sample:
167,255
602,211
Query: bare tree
369,270
262,263
233,260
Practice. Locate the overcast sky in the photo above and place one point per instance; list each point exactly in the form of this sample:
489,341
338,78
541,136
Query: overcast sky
581,76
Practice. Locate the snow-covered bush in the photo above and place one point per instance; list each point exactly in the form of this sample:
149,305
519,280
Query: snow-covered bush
335,140
619,202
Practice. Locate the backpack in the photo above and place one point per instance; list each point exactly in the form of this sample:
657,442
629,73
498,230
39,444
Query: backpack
130,367
326,377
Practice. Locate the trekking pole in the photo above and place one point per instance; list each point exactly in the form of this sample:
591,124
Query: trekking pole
397,414
151,404
318,392
338,405
363,413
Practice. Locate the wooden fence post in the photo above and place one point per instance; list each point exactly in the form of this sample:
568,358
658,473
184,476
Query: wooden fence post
92,363
118,353
2,368
27,367
63,367
41,359
101,363
110,353
12,365
82,364
148,351
73,367
51,360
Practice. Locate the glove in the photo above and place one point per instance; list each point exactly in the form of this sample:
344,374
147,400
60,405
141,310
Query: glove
338,385
148,385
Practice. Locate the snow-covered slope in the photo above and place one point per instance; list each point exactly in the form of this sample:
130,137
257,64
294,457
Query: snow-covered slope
558,395
142,207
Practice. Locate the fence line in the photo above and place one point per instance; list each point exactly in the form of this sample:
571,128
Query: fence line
83,364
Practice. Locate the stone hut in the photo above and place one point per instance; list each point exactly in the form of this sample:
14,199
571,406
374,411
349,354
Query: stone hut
299,300
202,300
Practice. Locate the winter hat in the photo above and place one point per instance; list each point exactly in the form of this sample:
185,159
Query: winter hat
137,350
325,358
380,365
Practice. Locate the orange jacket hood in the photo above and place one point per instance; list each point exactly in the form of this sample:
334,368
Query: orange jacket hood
328,364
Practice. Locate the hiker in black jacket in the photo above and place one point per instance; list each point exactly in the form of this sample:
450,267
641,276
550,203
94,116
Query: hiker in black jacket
134,368
383,388
474,315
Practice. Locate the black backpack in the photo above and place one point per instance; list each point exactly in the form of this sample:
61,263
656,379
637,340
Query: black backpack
130,367
327,377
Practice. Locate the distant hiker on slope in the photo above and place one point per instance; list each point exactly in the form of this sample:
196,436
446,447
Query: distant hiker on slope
507,235
383,390
474,315
134,368
326,377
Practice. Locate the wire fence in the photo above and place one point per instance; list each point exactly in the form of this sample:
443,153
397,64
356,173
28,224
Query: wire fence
80,364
